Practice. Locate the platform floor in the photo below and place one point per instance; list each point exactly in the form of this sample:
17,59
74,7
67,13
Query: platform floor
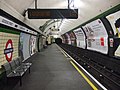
51,70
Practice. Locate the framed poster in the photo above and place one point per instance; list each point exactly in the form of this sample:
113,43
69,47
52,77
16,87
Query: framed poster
32,45
68,38
97,37
80,38
72,38
63,39
114,20
24,38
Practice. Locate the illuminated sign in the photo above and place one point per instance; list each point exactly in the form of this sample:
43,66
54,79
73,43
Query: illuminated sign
52,13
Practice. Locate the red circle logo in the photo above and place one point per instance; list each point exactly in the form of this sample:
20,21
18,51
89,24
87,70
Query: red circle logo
8,51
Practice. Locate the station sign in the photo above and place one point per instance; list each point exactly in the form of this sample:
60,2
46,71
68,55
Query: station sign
52,13
8,51
12,24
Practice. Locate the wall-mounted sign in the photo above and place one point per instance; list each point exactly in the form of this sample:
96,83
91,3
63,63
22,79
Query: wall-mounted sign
52,13
111,42
9,40
12,24
8,51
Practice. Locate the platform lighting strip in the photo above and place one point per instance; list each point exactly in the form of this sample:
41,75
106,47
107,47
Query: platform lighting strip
12,24
66,54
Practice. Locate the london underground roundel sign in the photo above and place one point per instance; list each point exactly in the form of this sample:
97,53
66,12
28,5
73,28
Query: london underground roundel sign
8,51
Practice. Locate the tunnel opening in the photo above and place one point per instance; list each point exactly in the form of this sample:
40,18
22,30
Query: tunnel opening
58,40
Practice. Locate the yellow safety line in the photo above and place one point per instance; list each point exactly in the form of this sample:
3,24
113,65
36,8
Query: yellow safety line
67,55
89,82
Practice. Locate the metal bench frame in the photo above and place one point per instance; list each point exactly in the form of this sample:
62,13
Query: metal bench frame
16,68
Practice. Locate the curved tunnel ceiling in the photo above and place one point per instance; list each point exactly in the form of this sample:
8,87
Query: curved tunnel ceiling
87,9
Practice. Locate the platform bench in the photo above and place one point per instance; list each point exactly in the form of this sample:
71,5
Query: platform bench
16,69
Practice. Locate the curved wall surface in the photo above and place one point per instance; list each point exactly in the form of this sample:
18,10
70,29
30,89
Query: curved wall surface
100,34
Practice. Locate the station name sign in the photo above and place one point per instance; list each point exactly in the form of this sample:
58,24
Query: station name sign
52,13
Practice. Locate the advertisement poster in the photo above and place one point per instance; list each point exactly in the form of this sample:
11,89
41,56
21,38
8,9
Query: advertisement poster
63,39
40,43
33,46
68,38
72,38
114,20
26,38
80,38
9,41
21,45
97,37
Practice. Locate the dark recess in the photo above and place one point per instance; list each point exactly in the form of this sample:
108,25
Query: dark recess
58,40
